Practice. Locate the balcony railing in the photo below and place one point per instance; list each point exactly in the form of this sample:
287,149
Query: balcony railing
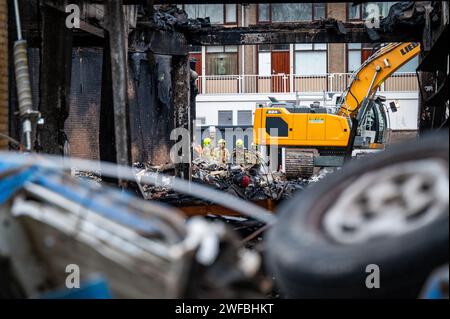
285,83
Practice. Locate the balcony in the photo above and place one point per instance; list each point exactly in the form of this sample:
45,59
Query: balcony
285,83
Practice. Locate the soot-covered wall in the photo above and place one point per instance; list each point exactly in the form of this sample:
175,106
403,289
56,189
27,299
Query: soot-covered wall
150,105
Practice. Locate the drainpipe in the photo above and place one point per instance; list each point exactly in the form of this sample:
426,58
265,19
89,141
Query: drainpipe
291,67
203,70
243,51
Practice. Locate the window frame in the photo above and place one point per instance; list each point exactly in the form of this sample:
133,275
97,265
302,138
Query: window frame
258,15
191,47
201,121
313,49
225,52
347,12
270,21
347,56
224,13
247,112
314,11
227,112
361,7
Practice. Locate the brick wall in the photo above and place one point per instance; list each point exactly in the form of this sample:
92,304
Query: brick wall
251,64
3,72
337,51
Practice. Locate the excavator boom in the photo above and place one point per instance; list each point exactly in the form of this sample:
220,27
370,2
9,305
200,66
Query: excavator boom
315,136
380,66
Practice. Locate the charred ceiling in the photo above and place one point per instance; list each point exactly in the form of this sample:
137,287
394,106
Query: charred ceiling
326,31
169,28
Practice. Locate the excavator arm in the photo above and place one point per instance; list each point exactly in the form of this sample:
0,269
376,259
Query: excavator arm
380,66
314,137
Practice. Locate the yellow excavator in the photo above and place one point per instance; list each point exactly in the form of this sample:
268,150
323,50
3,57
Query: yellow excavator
320,137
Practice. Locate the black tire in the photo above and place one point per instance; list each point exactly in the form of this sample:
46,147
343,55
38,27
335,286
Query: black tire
307,264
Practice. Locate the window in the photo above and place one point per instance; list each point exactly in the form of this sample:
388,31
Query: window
226,118
291,12
264,12
358,12
382,8
264,48
357,54
221,64
311,59
221,48
222,60
319,11
280,47
195,49
201,120
353,57
353,11
217,13
231,13
276,126
213,11
245,118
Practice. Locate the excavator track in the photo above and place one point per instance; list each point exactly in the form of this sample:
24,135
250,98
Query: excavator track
299,163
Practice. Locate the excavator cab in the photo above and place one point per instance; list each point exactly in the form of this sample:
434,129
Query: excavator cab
374,128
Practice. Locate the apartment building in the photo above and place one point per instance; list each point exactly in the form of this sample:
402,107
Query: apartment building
233,79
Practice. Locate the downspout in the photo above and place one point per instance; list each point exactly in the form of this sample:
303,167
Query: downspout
243,51
203,90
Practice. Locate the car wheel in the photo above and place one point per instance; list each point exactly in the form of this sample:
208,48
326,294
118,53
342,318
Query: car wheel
376,228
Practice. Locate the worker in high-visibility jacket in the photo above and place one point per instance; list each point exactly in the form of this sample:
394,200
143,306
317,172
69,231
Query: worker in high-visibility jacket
221,153
240,153
207,152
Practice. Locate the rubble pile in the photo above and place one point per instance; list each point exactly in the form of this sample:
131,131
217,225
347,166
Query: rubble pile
249,182
89,176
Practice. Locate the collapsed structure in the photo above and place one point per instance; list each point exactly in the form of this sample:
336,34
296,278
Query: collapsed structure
152,84
121,83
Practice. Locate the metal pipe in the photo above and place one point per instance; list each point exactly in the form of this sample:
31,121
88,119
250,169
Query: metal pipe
18,23
23,83
377,70
365,106
27,130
